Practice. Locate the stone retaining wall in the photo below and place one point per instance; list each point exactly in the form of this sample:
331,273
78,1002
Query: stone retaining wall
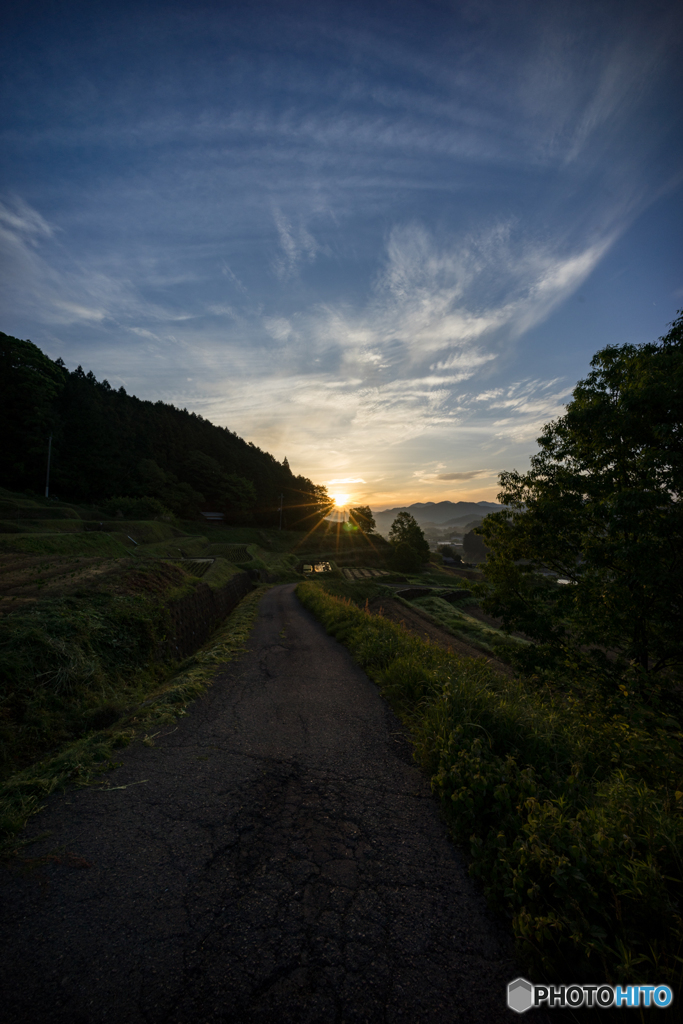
195,616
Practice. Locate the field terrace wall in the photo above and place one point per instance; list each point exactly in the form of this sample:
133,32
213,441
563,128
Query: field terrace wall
194,617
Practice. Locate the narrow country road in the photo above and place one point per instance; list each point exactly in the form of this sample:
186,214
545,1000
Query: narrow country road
276,858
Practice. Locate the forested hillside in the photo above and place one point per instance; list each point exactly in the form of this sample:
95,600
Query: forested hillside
107,444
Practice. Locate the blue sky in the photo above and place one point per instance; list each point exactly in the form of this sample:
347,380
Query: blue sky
381,239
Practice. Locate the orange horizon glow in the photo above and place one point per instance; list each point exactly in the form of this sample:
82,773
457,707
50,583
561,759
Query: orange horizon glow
398,497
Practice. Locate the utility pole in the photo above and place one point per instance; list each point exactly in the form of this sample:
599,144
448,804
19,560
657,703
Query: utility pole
47,478
281,500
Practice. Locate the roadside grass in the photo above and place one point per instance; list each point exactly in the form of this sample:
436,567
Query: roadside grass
358,591
570,801
115,711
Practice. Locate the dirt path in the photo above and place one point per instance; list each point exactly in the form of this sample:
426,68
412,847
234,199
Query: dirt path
277,858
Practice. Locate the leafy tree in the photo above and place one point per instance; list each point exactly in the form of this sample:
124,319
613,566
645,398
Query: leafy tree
474,548
406,530
405,558
449,552
601,509
362,517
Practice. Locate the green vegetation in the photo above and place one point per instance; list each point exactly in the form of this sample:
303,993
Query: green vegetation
473,547
362,517
570,802
410,546
601,509
465,627
105,544
65,658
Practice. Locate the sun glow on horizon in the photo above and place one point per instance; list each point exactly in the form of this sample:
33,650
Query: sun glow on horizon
340,499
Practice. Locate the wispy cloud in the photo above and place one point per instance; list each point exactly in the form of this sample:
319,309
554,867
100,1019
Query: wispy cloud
297,245
463,476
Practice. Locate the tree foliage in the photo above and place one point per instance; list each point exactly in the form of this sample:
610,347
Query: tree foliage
406,530
362,517
30,386
601,509
473,547
405,558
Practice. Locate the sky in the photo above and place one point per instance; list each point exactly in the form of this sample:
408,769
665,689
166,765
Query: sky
382,239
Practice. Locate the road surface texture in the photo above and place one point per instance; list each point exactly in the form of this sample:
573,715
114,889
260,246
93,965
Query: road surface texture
276,858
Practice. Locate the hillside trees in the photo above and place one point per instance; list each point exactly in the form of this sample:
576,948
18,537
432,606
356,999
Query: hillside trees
601,507
30,384
109,444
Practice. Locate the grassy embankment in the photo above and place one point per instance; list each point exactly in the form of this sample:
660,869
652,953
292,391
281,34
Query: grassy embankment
83,620
569,799
81,675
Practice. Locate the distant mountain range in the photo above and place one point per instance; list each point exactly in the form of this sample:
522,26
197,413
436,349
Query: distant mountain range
437,513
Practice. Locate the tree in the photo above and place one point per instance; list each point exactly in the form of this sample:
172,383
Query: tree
362,517
405,530
405,558
447,551
474,548
601,510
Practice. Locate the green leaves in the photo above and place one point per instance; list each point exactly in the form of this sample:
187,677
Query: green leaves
411,547
600,508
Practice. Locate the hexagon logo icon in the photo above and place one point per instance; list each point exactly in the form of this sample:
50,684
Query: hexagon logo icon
520,995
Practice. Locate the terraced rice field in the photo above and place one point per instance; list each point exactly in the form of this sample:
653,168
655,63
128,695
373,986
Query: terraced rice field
363,574
233,552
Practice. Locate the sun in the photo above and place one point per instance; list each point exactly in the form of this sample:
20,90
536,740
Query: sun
340,499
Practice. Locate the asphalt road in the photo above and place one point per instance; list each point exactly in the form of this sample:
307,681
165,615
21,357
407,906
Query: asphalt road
276,858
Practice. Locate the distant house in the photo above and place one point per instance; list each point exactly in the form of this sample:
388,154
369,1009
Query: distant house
214,517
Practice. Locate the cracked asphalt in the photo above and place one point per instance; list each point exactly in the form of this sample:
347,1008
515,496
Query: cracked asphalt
276,858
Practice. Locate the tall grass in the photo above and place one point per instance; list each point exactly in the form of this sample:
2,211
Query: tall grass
571,807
